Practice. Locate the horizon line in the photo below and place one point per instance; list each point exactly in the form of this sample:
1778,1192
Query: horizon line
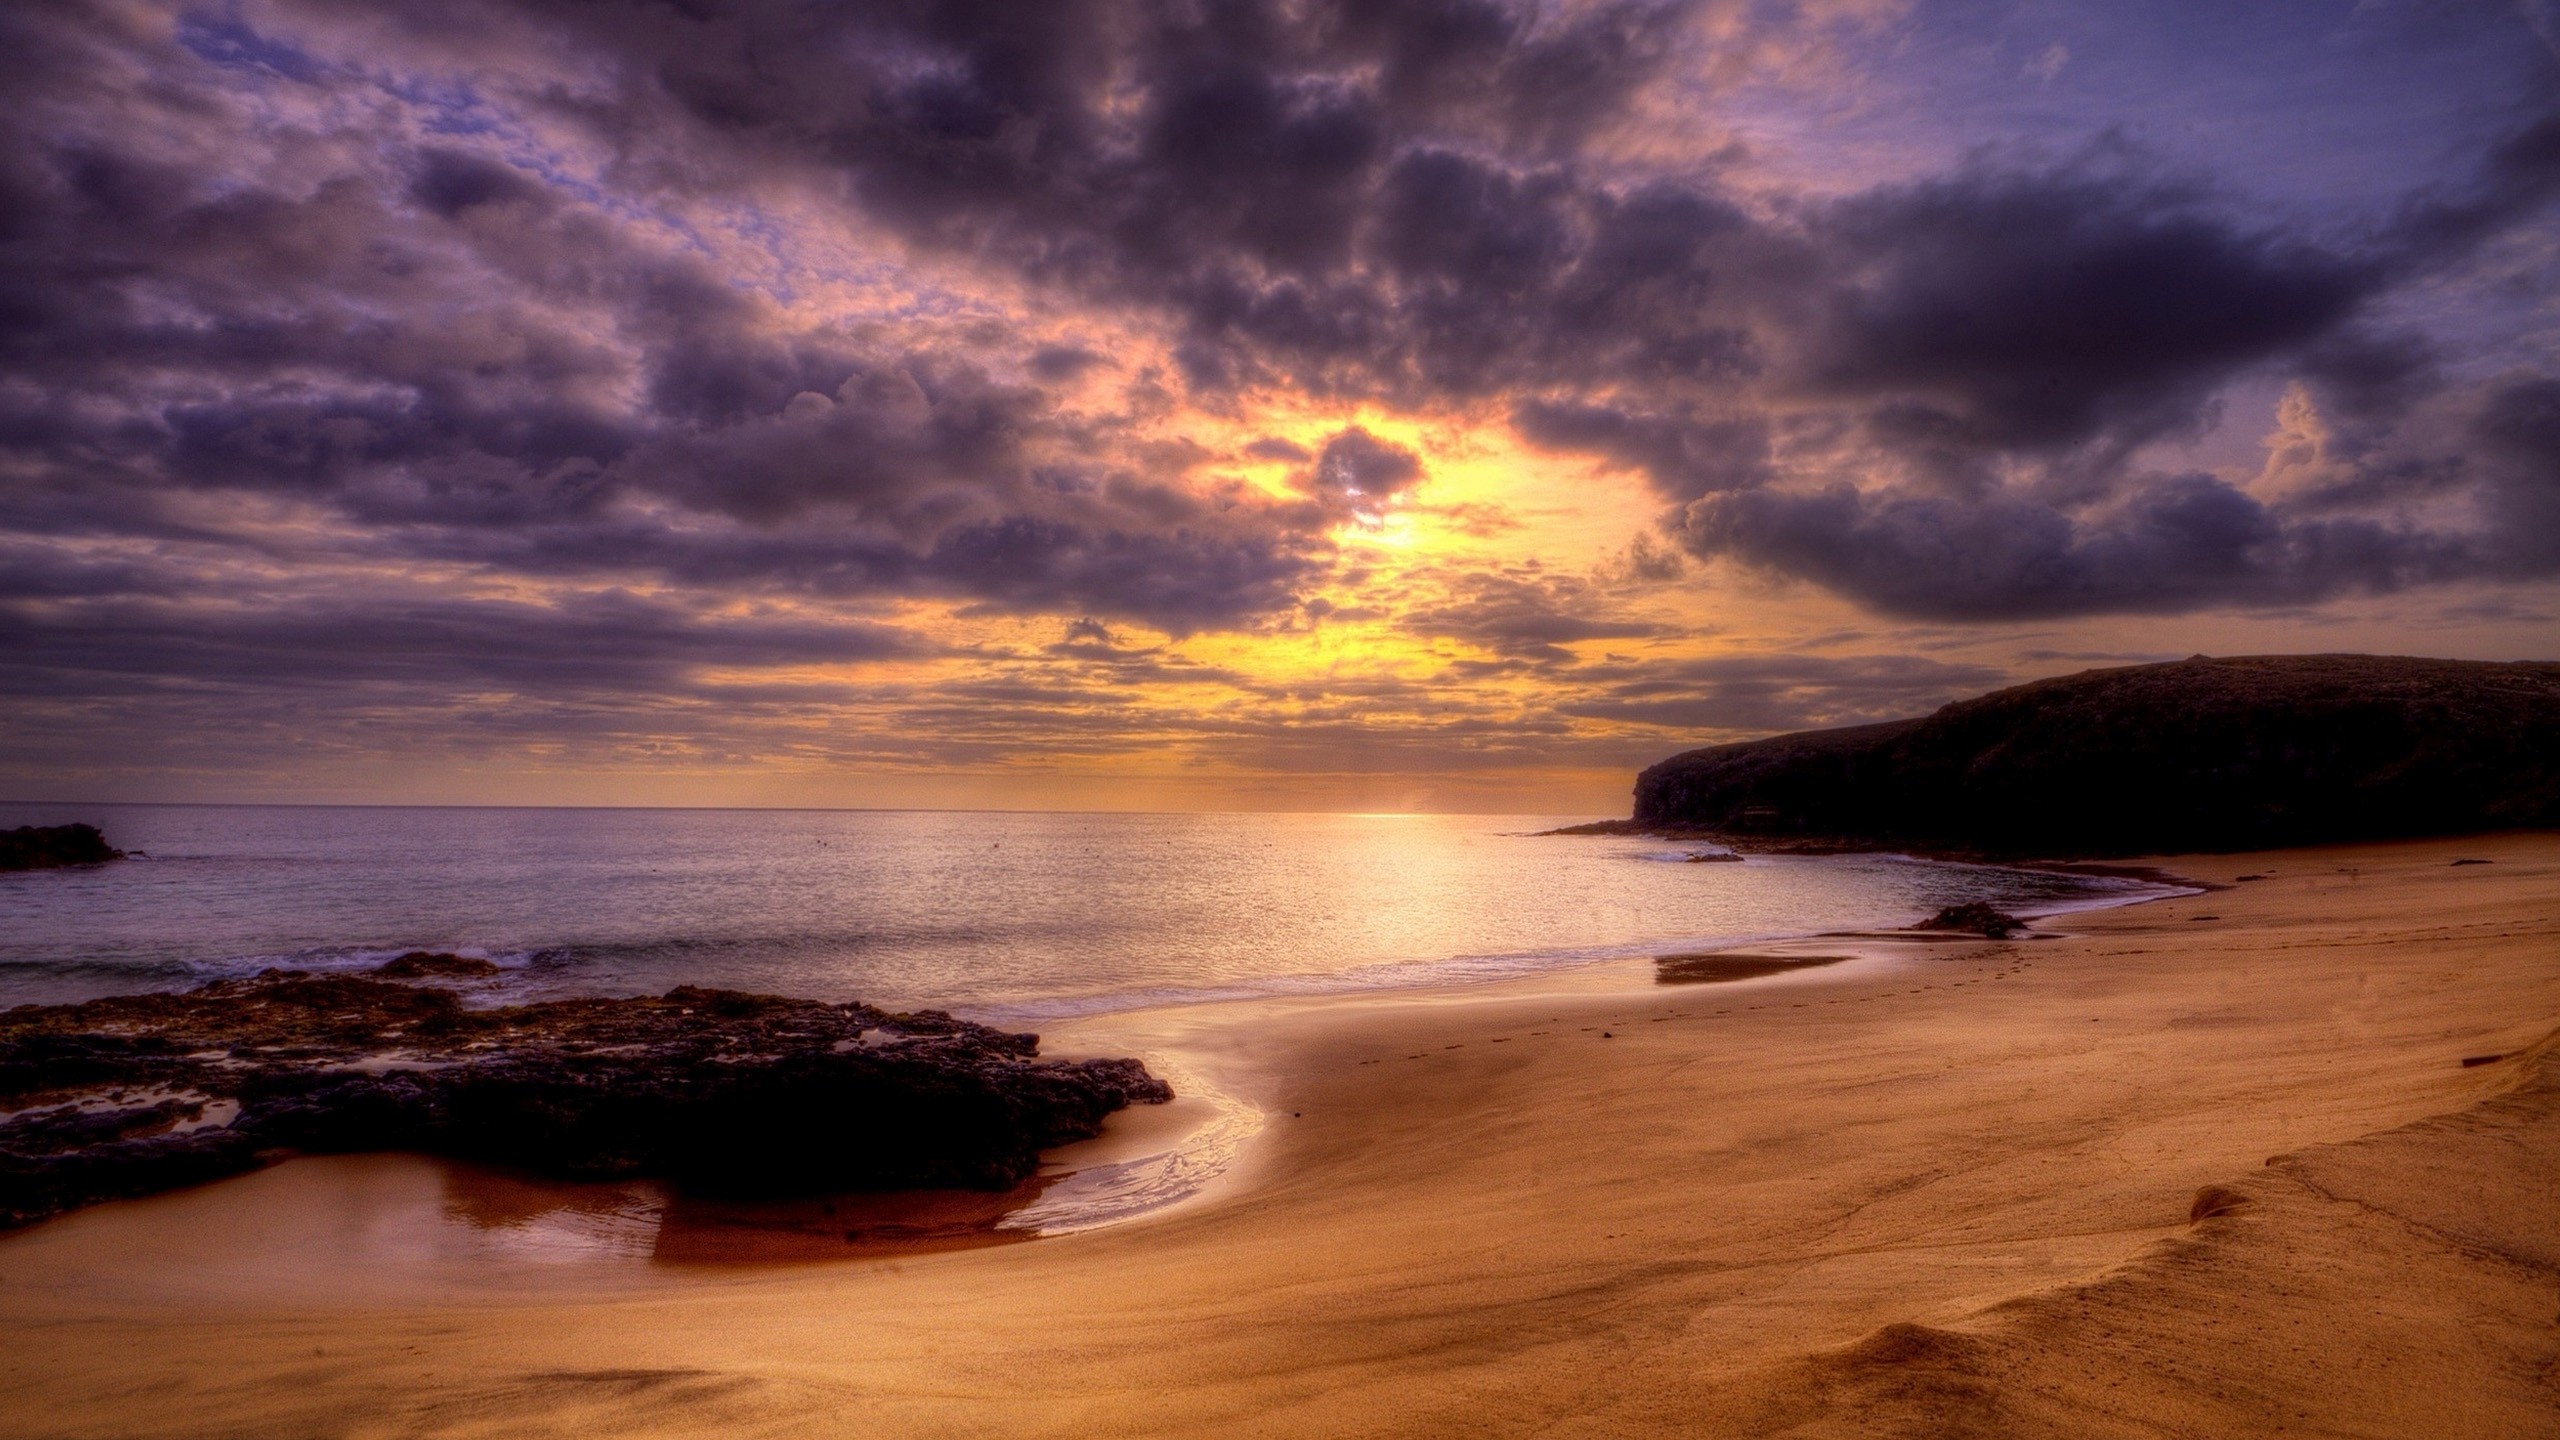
776,809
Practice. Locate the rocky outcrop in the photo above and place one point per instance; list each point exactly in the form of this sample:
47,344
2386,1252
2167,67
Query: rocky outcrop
2200,754
1974,918
46,847
719,1092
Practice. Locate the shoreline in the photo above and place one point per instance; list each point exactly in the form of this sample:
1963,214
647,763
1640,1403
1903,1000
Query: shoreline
1733,964
1857,1191
1728,963
1472,972
530,965
1143,1162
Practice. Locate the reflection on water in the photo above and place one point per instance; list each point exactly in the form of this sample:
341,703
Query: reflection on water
1148,1158
1025,920
1728,965
526,1218
537,1218
1020,918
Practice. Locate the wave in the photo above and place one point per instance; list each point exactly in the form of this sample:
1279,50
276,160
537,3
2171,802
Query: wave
1089,953
2098,892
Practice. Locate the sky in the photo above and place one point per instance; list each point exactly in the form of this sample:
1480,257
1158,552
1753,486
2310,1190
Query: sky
1110,404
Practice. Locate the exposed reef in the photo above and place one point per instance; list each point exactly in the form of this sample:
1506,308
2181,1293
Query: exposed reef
2195,755
1974,918
48,847
718,1092
1722,966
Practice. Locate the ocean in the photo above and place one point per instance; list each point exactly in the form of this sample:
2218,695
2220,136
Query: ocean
1007,917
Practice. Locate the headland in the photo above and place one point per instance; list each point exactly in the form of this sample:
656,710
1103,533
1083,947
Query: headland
2195,755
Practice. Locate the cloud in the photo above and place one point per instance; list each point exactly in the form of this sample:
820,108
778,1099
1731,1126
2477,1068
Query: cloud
610,645
2006,344
1523,617
2168,544
233,293
2519,176
1736,695
2519,428
584,351
1685,455
2009,311
1358,475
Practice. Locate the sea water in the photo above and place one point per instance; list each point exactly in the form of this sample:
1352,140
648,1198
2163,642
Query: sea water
1006,917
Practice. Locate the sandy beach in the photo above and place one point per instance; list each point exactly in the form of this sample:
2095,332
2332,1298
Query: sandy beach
2231,1164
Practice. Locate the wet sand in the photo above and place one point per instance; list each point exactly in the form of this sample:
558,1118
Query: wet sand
1931,1190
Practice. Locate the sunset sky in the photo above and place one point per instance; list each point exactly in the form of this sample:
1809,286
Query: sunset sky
1106,404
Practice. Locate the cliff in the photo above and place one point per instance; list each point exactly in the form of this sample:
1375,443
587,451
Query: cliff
2200,754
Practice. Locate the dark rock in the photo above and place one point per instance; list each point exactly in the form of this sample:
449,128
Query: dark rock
2203,754
1597,827
47,847
1721,966
721,1093
2213,1202
435,965
1974,918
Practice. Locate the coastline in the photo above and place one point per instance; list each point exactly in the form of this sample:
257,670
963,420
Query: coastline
1048,946
1912,1193
1464,974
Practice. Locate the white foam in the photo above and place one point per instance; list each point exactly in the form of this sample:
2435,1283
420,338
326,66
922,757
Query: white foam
1106,1194
2107,892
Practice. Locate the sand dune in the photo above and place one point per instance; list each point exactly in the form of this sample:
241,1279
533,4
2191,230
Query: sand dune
1952,1192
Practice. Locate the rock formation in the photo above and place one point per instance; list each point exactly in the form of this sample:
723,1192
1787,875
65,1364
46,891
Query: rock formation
44,847
2200,754
1974,918
718,1092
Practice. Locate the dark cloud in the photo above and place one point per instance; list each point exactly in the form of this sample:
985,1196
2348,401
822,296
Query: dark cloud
1646,562
607,645
2365,378
1271,447
1331,194
2519,428
450,182
2004,344
1759,694
1684,455
1177,580
1358,474
2168,544
471,361
2007,311
2519,176
302,304
1526,618
1057,363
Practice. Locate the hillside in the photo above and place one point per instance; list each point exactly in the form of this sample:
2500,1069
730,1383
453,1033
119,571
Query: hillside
2199,754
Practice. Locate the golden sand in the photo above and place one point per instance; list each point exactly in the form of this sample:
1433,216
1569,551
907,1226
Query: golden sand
2165,1175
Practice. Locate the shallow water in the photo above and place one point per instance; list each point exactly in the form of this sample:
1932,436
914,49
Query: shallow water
1022,918
1005,916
